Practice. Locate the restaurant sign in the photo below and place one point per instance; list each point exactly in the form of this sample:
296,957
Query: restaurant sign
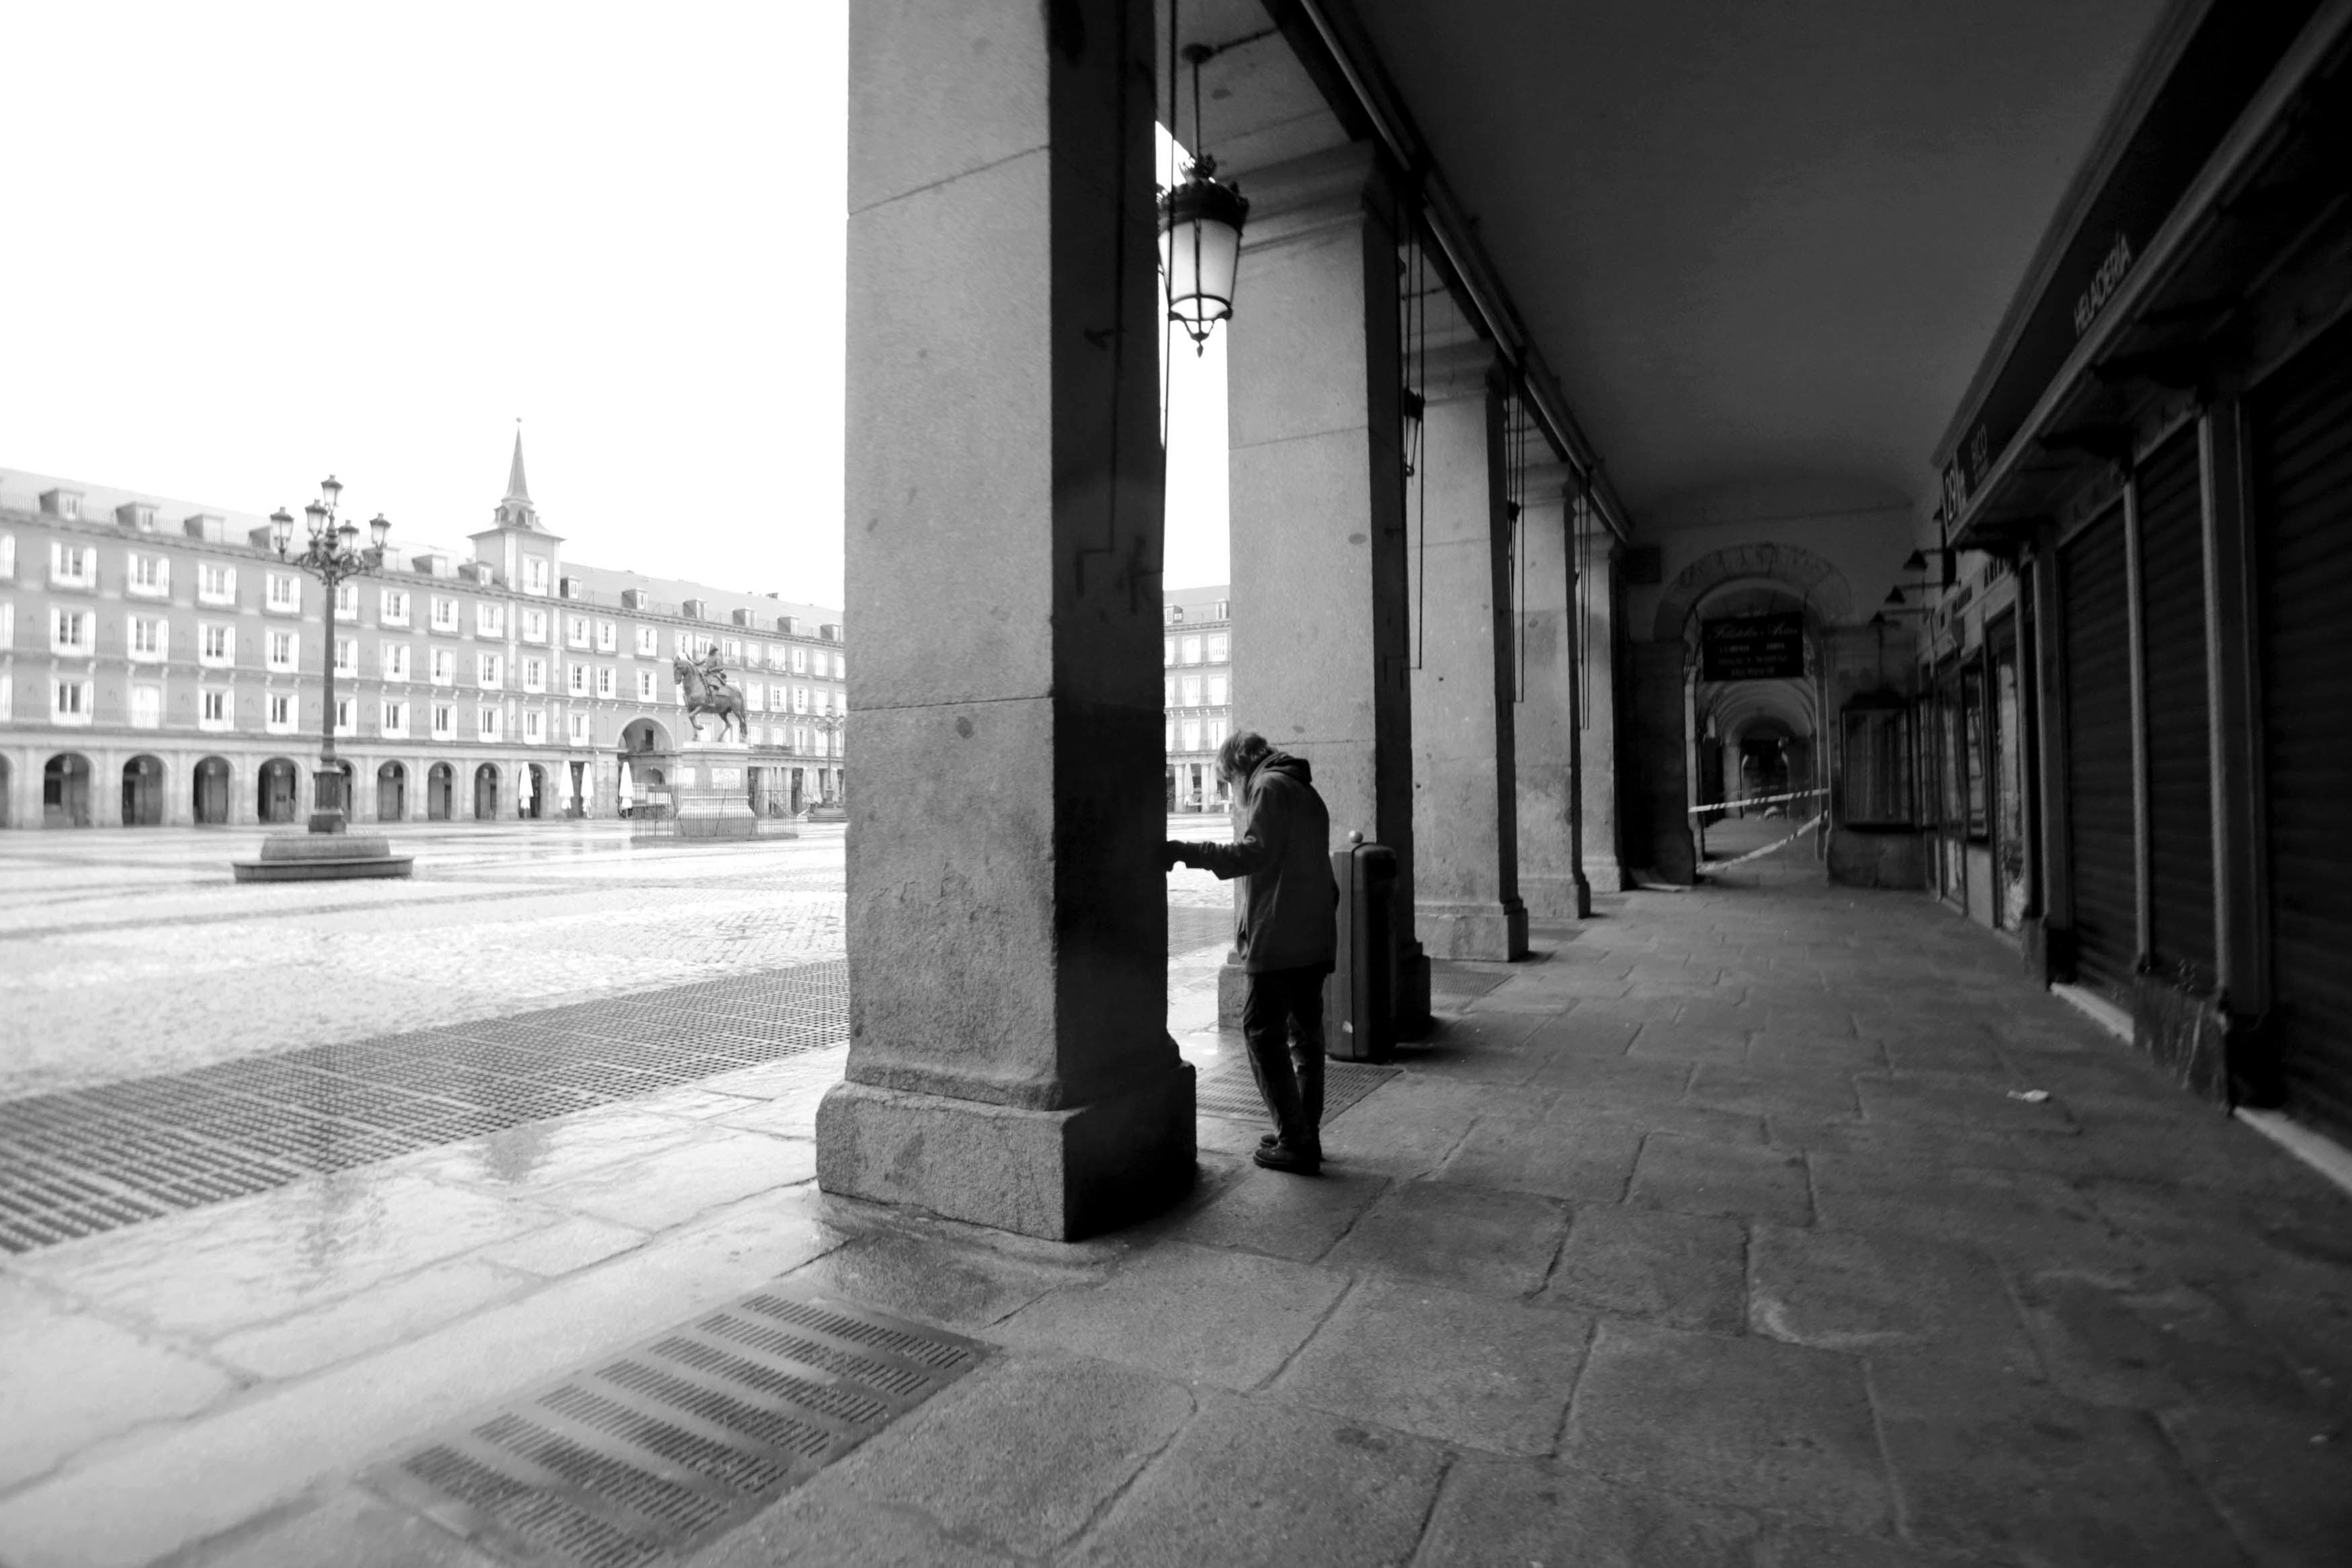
1753,647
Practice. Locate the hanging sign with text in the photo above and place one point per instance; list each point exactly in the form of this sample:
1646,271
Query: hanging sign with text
1753,648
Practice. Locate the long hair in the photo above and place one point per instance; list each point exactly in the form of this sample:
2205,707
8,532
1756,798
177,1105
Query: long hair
1240,755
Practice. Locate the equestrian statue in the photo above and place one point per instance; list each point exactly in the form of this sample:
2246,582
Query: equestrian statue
710,695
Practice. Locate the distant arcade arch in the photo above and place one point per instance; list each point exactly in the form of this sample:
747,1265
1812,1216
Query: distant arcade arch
277,790
143,791
1818,584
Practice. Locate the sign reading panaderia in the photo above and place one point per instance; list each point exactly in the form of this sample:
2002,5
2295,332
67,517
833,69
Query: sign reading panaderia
1752,647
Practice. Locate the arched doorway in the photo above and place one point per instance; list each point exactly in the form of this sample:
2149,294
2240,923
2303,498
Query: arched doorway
440,792
391,792
799,791
531,792
209,791
142,793
65,791
575,803
643,735
486,792
277,790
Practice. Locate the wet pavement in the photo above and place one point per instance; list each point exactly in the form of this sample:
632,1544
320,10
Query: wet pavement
1721,1232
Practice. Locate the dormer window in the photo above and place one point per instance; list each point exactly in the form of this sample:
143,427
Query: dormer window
62,502
534,574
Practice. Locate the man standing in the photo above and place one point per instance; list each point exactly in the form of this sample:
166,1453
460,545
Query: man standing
1287,935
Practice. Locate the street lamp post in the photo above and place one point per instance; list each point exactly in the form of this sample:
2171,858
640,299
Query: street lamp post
333,554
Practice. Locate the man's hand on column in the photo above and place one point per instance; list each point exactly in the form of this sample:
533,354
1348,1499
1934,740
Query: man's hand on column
1175,852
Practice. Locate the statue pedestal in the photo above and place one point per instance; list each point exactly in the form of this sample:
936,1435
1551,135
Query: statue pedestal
709,790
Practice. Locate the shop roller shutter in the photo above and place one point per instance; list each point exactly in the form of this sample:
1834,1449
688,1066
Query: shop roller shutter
2096,641
2300,426
2179,747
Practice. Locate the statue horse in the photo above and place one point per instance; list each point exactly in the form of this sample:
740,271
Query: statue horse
710,695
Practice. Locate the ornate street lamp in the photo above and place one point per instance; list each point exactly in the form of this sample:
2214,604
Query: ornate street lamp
1200,233
333,554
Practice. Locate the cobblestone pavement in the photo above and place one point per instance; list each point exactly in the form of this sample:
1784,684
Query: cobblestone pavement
1723,1233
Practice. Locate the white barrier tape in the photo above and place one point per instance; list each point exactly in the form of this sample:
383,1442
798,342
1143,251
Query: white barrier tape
1755,800
1768,849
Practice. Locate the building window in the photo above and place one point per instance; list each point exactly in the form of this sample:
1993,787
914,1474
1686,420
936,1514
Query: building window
347,656
213,707
1220,648
345,723
1213,734
534,729
608,636
146,707
1218,686
492,722
734,649
841,666
445,722
1167,653
646,685
445,614
489,620
392,609
799,660
396,721
534,674
576,679
150,639
217,645
72,566
151,575
217,584
752,698
580,729
1190,652
281,713
285,593
800,699
534,573
69,701
486,672
1191,734
575,630
395,659
605,686
284,652
347,601
69,634
648,641
1167,691
780,657
444,667
534,625
1189,691
8,556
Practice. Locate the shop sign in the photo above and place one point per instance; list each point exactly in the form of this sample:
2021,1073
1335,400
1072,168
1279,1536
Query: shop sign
1753,647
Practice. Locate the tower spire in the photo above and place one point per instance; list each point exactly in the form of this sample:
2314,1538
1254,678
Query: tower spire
516,510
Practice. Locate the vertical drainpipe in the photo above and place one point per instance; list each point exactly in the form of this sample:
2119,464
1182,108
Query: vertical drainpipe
2233,716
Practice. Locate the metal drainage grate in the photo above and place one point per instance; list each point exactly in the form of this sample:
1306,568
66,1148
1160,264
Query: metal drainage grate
85,1161
1227,1089
669,1443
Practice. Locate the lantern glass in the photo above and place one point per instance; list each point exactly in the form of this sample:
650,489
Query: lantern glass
349,535
1200,251
379,529
281,529
317,516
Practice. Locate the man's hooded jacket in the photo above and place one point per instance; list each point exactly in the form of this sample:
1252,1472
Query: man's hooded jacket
1284,847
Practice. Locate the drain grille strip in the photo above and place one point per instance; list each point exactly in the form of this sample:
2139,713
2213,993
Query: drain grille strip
86,1161
665,1445
1229,1092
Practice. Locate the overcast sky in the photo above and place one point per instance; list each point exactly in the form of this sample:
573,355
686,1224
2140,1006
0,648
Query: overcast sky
254,243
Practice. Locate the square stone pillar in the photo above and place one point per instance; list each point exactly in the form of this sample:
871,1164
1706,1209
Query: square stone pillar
1603,594
1660,787
1546,724
1009,1062
1466,772
1320,629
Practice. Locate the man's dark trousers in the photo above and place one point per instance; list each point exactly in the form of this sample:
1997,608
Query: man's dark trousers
1289,1072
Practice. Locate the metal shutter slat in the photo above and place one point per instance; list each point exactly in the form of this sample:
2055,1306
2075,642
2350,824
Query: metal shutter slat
2096,642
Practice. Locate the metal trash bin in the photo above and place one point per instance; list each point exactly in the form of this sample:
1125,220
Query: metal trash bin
1358,1000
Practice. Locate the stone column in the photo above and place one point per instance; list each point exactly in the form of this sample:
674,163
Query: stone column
1602,594
1465,809
1659,789
1551,873
1320,633
1009,1061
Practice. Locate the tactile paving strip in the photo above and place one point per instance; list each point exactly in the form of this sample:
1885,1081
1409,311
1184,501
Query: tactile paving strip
665,1445
1227,1089
90,1160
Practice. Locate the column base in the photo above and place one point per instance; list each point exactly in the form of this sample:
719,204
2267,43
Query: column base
1607,875
1058,1175
1494,932
1555,895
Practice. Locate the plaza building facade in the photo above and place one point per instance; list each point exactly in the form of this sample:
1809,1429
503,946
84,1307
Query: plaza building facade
160,665
1198,656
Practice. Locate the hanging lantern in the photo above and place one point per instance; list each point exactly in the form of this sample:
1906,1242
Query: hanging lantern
1200,233
1200,249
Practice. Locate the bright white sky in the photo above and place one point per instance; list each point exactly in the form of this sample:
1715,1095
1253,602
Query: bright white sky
253,243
